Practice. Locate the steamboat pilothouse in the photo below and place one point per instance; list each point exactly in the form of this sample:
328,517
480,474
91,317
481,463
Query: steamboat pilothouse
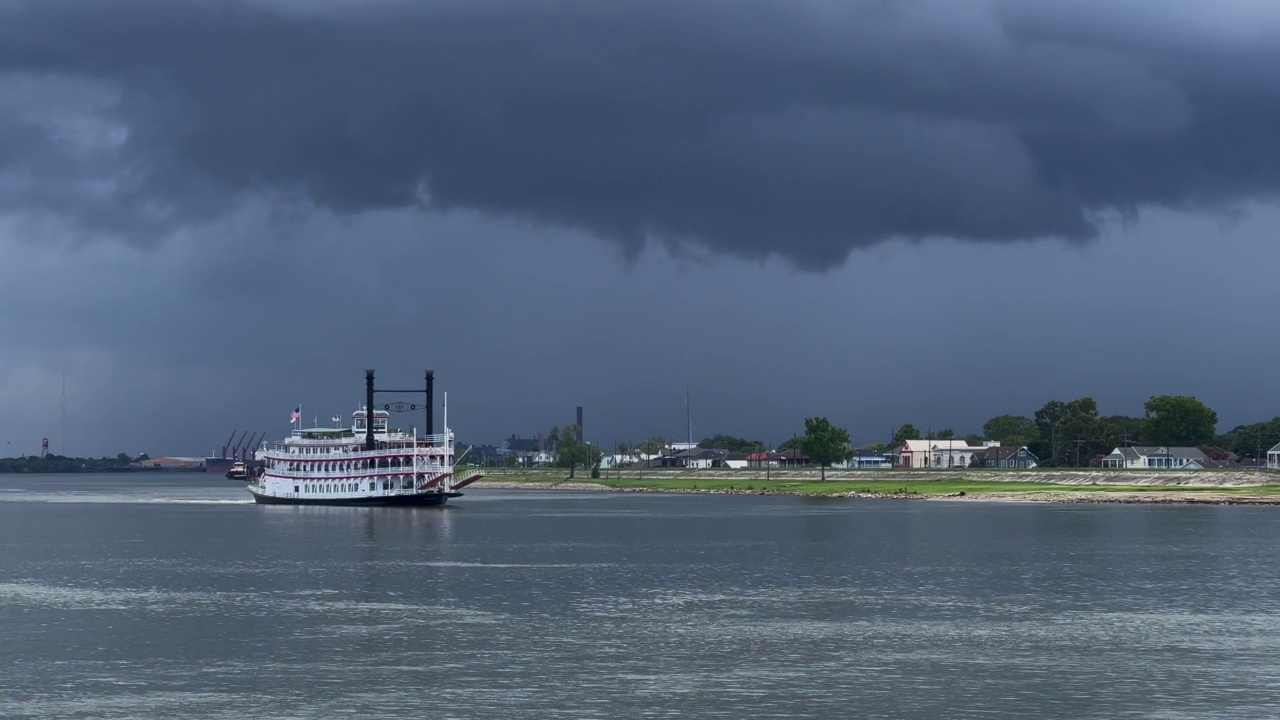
368,463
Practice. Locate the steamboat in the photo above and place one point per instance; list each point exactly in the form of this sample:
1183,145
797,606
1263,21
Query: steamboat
368,463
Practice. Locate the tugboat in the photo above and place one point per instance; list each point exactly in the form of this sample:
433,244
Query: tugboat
238,471
367,463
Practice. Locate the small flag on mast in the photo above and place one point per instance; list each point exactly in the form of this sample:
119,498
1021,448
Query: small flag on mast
297,413
335,419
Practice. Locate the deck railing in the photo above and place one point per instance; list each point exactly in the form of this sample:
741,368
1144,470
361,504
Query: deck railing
363,473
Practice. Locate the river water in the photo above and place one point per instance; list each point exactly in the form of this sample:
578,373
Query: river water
164,595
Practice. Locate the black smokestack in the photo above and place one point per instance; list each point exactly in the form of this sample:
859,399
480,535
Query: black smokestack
368,409
579,423
431,402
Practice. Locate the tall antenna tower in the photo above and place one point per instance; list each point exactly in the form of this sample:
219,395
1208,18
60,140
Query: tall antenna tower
64,413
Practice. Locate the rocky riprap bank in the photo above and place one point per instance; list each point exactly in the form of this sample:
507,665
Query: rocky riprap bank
1167,487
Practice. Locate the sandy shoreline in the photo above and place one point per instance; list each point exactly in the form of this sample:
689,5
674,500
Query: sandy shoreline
1171,496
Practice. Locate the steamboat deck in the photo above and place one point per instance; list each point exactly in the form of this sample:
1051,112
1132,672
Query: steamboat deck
368,463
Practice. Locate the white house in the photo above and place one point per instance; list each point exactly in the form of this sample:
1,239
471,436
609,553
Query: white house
952,452
1150,457
1273,458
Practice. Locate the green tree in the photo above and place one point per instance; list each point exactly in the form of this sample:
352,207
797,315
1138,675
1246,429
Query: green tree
825,443
652,446
122,459
732,444
1073,425
905,433
570,452
1251,440
1011,430
1122,430
1178,420
973,439
943,434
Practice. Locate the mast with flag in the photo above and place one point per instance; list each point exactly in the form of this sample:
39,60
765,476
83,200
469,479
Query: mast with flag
296,415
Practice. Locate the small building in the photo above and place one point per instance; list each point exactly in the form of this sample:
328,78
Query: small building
1273,458
736,461
689,457
702,458
1147,457
948,453
868,459
793,458
995,456
528,452
1211,464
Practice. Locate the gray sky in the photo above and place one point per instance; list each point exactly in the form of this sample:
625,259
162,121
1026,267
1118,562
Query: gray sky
884,212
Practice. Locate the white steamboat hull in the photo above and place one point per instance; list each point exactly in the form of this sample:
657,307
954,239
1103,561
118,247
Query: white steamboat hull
416,498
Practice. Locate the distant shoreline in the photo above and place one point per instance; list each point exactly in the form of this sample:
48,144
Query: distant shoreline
1067,486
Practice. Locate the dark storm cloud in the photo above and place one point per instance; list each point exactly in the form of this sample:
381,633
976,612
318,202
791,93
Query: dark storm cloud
804,129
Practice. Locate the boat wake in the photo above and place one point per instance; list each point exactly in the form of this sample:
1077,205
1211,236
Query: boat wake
113,499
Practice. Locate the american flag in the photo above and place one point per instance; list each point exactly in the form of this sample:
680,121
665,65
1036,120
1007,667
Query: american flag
297,413
335,418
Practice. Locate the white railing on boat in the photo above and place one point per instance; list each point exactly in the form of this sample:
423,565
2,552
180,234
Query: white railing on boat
359,436
279,453
352,474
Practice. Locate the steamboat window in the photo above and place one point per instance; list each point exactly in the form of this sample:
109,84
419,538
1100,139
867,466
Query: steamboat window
295,488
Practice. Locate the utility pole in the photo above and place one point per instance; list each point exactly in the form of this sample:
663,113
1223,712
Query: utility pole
1054,442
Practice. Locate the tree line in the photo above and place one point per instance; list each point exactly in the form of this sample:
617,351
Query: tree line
61,464
1061,434
1074,434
